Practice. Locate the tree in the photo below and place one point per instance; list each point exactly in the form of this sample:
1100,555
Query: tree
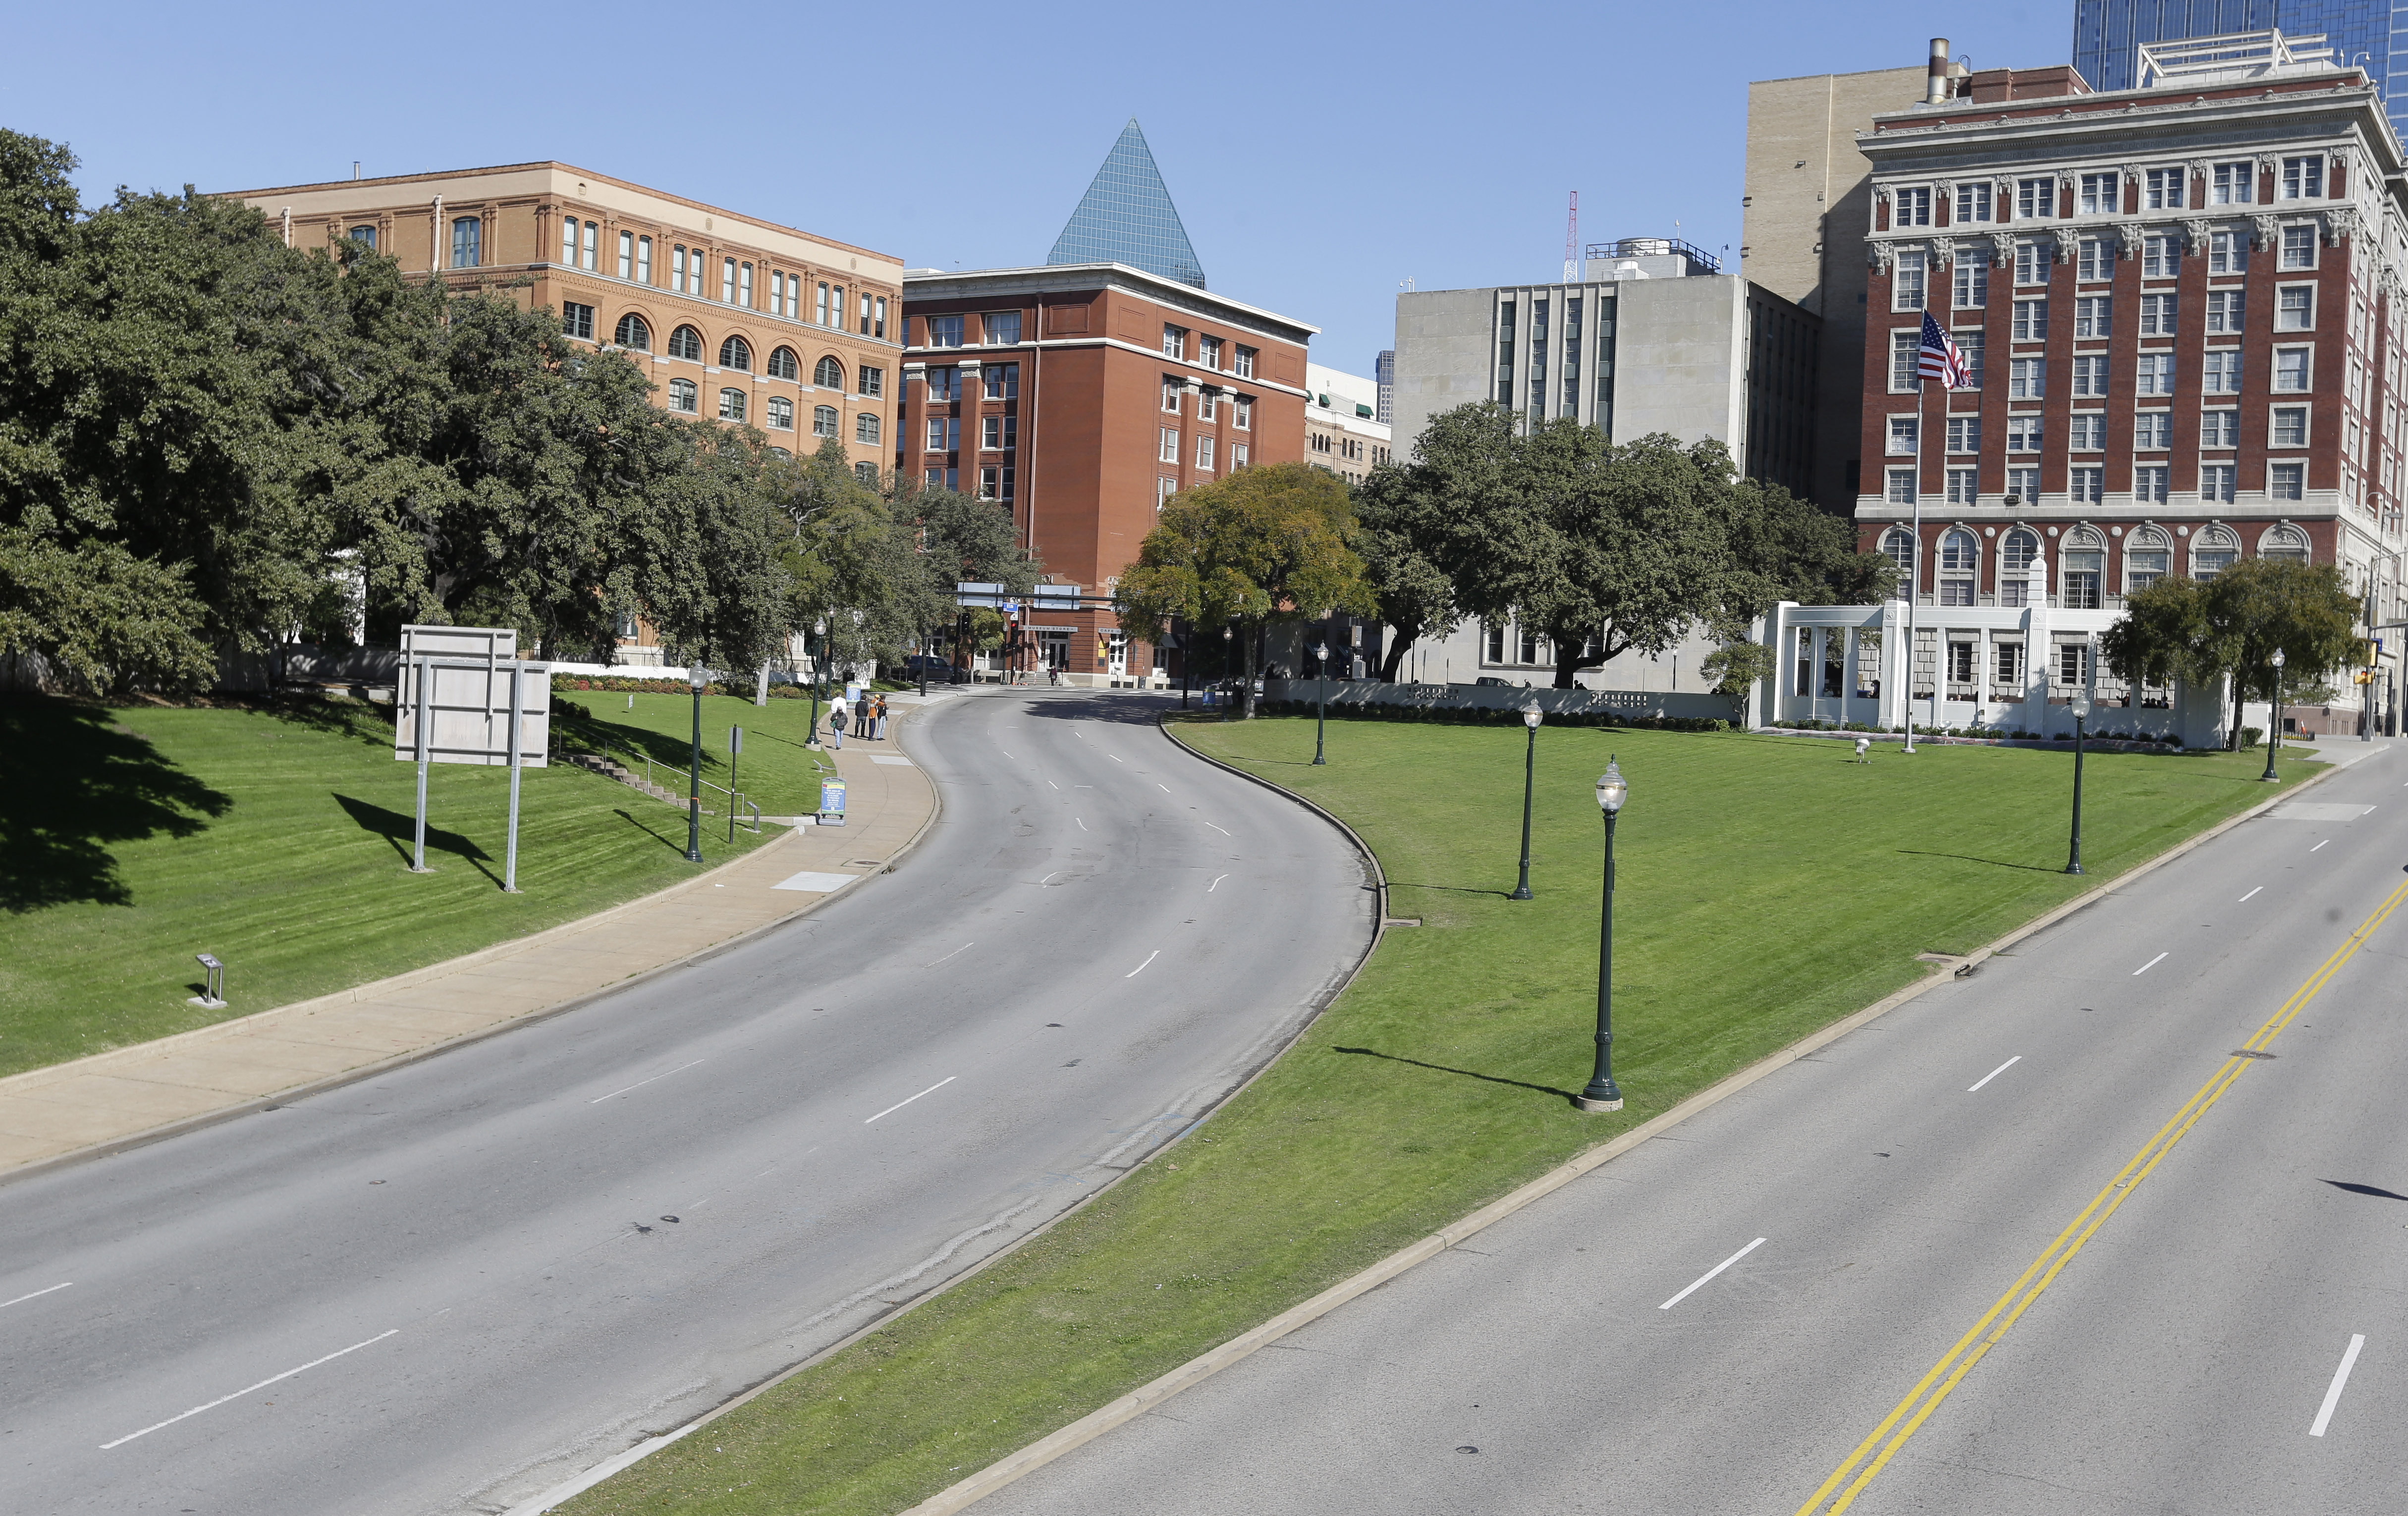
2232,624
1260,545
957,538
1803,552
1403,542
1736,667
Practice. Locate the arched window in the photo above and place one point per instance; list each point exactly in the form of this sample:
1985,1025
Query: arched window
2082,565
867,473
731,404
824,418
782,413
2213,551
1898,546
829,375
736,353
781,454
2148,557
686,342
864,427
633,334
1960,557
364,237
684,397
2284,541
784,364
2017,551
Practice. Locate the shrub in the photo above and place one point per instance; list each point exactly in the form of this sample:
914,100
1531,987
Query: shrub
2249,735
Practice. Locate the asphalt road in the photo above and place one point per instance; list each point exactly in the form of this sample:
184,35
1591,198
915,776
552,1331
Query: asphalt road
1886,1201
452,1286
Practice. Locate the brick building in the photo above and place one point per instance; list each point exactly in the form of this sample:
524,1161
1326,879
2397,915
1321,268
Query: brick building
1083,397
2182,302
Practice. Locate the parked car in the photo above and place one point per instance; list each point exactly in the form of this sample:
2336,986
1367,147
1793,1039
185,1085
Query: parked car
937,670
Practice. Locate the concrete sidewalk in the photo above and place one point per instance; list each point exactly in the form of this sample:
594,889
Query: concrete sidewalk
136,1095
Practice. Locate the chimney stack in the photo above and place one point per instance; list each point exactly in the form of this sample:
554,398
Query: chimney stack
1935,74
355,168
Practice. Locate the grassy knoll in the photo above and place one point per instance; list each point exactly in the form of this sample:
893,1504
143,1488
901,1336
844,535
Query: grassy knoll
1769,886
277,837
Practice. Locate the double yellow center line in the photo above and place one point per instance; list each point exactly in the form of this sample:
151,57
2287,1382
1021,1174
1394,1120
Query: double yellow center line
1838,1492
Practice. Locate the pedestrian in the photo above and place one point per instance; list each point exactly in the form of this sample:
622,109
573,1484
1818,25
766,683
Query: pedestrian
878,733
861,716
1053,675
836,724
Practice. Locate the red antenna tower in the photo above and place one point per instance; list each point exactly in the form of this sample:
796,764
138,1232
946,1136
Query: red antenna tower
1572,271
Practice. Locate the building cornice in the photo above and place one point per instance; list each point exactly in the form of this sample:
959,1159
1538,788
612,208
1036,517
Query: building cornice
1218,377
1065,278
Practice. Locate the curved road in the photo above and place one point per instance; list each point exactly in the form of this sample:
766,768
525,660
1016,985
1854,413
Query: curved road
496,1267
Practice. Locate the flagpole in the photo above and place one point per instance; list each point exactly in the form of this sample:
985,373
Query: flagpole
1915,562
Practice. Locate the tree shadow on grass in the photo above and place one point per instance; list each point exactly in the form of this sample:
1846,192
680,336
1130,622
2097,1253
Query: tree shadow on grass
399,830
72,783
1968,858
1463,1073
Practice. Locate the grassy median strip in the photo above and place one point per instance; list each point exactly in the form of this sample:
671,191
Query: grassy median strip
277,837
1768,887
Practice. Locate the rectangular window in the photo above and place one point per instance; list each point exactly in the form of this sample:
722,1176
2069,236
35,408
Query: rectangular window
1208,351
1204,452
2298,247
1971,344
2086,432
2219,428
1973,202
731,404
990,482
2161,257
2033,262
2156,315
576,321
2234,184
593,232
873,382
819,306
1208,406
1961,486
2090,377
1910,208
944,331
677,268
643,260
1906,291
1002,328
2295,307
2086,484
2287,482
1239,453
365,237
878,329
2161,189
2217,483
944,382
744,285
626,255
1973,280
1903,435
1174,342
2023,433
1900,483
2027,378
727,281
2154,374
2023,486
568,241
2153,431
1960,661
467,241
2222,372
2094,259
1002,381
944,434
2097,194
2224,312
2303,178
2030,321
2288,428
1245,414
2227,252
2149,484
1904,343
2074,658
1172,392
1246,358
2035,198
2291,370
1964,434
1169,452
1000,433
864,327
2094,316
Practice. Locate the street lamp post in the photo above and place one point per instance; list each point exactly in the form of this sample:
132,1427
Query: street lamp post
697,677
2081,714
2274,722
819,672
1226,634
1601,1093
1531,716
1321,710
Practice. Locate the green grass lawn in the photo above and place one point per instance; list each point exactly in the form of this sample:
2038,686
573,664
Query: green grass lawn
1767,886
277,837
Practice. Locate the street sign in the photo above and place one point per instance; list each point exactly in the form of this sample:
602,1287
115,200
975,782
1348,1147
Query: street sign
735,739
465,697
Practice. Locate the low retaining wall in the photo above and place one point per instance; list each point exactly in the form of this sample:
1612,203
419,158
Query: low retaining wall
1639,704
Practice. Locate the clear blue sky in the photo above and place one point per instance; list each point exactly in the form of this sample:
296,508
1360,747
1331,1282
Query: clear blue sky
1320,154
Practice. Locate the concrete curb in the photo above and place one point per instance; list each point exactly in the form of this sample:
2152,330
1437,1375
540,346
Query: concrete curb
1196,1370
143,1139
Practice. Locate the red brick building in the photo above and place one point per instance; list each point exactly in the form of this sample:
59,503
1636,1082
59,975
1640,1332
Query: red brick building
1083,396
2182,304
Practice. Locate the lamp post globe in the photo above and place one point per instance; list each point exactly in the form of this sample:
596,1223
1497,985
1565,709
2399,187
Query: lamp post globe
1531,717
2274,721
699,679
1321,691
2081,714
1601,1093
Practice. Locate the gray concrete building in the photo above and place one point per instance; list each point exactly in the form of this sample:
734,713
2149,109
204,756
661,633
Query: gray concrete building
1805,202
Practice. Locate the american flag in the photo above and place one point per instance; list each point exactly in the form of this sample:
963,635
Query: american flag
1941,359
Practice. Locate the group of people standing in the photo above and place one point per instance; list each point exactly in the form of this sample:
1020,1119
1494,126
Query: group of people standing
867,716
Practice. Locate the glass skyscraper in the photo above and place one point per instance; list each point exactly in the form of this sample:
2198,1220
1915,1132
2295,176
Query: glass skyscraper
1126,217
2372,34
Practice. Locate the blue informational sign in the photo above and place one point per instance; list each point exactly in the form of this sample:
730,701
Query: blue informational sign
831,802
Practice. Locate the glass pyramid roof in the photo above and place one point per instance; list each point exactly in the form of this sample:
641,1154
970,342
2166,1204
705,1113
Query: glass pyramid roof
1126,217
